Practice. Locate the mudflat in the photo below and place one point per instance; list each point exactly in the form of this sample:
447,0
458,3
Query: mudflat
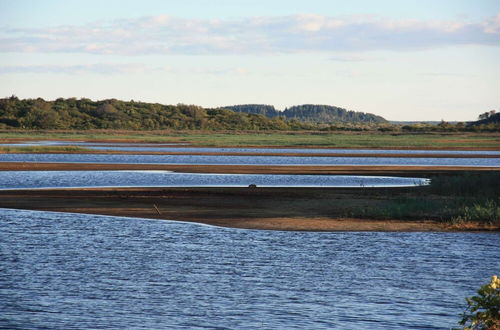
248,169
305,209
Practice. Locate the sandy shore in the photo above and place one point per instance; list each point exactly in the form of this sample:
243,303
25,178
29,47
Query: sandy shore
283,154
310,209
407,171
306,209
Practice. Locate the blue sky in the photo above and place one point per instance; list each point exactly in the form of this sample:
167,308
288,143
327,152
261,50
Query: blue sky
402,59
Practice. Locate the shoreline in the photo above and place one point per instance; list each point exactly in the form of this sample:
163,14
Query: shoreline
175,140
403,171
287,209
284,154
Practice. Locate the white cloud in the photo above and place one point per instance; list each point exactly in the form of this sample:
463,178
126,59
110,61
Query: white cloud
99,68
354,58
493,25
127,68
255,35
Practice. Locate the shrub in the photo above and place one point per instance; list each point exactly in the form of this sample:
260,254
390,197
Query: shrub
483,310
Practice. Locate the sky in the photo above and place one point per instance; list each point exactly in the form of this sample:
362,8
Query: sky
405,60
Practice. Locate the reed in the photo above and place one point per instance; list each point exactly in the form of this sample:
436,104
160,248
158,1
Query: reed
456,199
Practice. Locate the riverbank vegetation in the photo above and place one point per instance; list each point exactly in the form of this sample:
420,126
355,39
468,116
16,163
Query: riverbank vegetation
458,202
270,138
42,149
455,199
483,309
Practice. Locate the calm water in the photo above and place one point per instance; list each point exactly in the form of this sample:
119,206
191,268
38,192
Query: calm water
51,179
83,271
297,150
174,147
246,160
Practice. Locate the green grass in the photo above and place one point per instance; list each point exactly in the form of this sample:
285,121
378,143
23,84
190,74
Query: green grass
485,211
297,139
467,184
472,196
449,210
41,149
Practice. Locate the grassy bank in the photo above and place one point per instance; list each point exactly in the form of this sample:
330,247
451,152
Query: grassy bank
456,199
42,149
270,138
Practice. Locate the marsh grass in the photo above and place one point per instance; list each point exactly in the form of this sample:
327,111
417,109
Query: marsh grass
456,199
487,211
272,138
467,184
41,149
453,211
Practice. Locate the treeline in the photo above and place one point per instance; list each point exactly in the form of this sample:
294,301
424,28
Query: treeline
489,124
84,114
311,113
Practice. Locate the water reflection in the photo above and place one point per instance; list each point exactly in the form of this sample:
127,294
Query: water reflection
72,179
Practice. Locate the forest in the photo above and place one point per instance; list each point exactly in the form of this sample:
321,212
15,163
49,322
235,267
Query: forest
85,114
311,113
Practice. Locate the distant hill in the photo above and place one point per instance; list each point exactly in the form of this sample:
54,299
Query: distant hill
256,109
415,122
310,113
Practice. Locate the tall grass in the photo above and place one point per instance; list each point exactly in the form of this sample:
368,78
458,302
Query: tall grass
467,184
487,211
454,211
466,197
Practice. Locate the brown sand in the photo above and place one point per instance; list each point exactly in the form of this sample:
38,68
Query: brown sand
248,169
308,209
284,154
311,209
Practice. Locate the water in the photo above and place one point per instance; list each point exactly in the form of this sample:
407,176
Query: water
84,271
174,147
247,160
296,150
74,179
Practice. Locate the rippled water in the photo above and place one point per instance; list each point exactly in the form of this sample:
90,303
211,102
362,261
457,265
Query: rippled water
84,271
67,179
174,147
297,150
247,160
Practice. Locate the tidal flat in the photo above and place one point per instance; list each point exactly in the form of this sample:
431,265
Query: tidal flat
462,194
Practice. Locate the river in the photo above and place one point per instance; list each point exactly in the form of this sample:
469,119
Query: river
80,179
247,160
85,271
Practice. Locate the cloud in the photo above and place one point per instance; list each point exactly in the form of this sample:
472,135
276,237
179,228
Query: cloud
446,74
253,35
493,26
99,68
109,68
354,58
